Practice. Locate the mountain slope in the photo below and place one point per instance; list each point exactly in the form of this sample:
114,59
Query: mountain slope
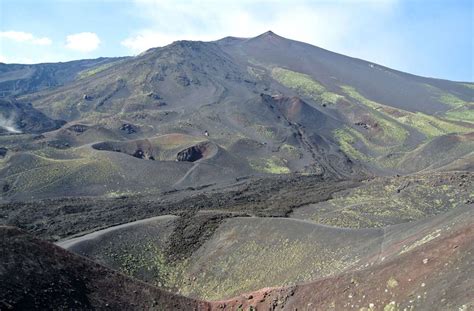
23,118
381,84
18,79
46,275
270,105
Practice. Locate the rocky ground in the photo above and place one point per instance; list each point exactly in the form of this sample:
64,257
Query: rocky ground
270,197
220,242
210,169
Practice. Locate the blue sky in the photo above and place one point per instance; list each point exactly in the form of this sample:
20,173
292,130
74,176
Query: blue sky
426,37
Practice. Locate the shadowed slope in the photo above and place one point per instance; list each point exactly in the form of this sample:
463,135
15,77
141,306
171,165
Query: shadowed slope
37,275
16,118
17,79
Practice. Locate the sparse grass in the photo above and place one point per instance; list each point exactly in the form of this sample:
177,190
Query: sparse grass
147,257
290,150
305,85
392,282
388,201
392,131
256,72
386,149
253,263
273,165
461,110
422,157
469,85
431,126
352,92
265,131
429,237
346,141
384,144
40,173
390,119
466,115
95,70
452,100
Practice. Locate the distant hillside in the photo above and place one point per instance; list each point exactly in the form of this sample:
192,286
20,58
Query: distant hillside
17,79
267,105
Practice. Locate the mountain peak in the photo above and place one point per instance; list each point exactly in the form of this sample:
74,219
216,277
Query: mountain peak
269,36
269,33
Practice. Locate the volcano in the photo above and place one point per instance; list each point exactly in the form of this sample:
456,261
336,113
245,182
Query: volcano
235,174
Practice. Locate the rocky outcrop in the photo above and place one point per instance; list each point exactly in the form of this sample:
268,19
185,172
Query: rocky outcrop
197,152
190,154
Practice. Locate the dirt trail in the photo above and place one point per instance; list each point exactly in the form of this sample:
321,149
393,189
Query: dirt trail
68,243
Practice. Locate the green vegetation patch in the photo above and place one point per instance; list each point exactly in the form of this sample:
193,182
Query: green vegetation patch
346,140
392,131
432,126
461,110
273,165
391,120
40,173
95,70
452,100
147,260
305,85
462,114
387,201
257,253
469,85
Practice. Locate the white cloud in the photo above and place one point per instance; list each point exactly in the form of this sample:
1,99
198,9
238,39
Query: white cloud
24,37
328,24
42,41
147,39
83,42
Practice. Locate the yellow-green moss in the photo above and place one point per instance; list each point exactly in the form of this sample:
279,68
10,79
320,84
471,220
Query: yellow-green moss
93,71
392,282
392,131
273,165
469,85
379,203
248,267
461,114
346,141
452,100
305,85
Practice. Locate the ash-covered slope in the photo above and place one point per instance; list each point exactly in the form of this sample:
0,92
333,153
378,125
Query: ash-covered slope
269,104
421,261
182,74
37,275
19,79
430,269
23,118
379,83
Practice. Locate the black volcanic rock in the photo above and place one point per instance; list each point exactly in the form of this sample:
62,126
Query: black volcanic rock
190,154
